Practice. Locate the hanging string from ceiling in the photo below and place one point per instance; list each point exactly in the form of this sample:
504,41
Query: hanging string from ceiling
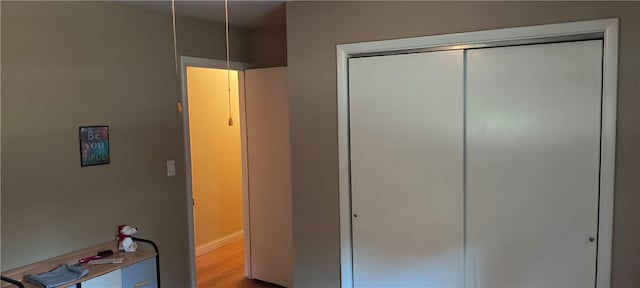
173,22
175,50
226,29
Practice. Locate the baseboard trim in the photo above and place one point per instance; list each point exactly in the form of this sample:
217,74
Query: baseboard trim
208,247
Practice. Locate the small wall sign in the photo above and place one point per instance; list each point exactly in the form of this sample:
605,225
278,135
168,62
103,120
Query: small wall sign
94,145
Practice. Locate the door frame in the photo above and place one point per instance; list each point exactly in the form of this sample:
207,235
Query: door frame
187,61
606,29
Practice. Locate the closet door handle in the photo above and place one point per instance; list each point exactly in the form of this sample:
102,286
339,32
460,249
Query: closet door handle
145,282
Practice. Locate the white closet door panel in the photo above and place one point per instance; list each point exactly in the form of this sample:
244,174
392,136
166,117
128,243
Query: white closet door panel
533,146
406,134
267,124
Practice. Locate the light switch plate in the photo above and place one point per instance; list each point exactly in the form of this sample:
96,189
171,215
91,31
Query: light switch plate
171,168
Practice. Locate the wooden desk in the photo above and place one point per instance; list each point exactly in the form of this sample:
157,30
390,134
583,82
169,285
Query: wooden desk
73,257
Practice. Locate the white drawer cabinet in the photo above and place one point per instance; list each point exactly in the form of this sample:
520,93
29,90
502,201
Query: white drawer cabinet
142,274
110,280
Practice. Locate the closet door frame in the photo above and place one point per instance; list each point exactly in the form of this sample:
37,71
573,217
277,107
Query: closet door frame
606,29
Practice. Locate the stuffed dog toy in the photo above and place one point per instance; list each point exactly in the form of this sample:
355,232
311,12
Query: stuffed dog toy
125,243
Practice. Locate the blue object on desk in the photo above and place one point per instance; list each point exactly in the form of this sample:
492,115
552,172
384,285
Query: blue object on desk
64,274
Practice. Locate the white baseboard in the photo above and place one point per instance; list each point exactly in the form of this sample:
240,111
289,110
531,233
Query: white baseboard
215,244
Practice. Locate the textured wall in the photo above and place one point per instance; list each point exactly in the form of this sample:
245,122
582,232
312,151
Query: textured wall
268,46
67,64
199,38
313,31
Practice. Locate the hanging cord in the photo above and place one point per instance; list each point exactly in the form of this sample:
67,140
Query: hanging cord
175,43
226,29
175,53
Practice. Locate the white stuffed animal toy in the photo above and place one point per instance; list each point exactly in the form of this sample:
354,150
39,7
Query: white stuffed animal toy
125,243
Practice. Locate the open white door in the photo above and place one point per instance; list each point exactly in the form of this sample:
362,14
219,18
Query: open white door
267,131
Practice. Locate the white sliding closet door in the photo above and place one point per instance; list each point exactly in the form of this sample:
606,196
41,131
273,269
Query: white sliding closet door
406,129
532,156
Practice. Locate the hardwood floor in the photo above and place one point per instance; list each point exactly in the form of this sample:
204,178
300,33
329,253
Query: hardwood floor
224,268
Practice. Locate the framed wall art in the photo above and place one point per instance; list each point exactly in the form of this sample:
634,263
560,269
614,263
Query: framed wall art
94,145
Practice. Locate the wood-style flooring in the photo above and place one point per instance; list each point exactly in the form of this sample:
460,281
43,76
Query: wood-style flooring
224,268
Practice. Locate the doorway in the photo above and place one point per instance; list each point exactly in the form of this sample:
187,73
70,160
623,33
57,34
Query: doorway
254,224
216,165
216,169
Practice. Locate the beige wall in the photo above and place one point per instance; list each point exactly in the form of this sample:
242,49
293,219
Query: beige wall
314,29
89,63
268,46
199,38
216,158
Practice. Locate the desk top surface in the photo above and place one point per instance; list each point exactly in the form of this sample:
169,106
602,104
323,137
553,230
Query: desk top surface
73,257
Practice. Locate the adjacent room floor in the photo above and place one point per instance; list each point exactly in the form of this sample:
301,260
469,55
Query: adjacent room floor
224,267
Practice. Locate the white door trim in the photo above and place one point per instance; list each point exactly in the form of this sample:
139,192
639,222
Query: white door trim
608,27
186,61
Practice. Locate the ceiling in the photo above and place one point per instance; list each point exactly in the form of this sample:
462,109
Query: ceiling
247,14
